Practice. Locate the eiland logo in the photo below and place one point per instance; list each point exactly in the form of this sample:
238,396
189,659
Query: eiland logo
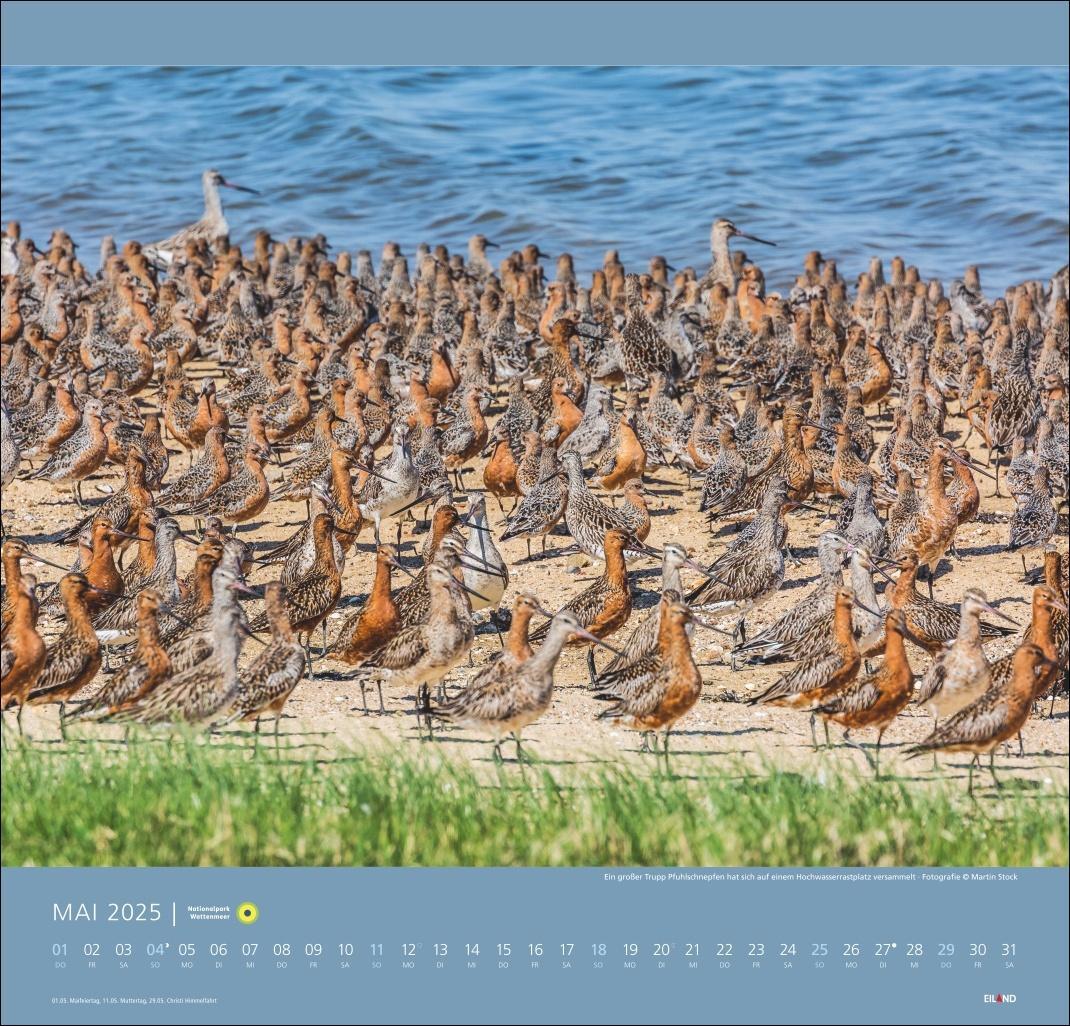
1000,999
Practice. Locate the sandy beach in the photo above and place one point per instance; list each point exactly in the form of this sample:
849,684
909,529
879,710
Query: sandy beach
722,728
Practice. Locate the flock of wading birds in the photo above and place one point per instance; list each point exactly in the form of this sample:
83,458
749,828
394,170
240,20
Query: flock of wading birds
372,389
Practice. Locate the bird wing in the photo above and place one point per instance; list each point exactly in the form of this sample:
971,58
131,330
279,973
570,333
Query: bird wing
401,651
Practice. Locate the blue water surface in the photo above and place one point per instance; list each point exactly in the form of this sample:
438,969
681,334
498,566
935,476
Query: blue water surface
946,166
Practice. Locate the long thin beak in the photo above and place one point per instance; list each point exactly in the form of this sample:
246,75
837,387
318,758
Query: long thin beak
476,527
754,238
480,559
373,472
170,611
415,502
548,478
715,577
252,634
243,589
240,188
472,591
104,591
863,606
1003,616
708,625
333,506
402,567
973,466
820,427
485,568
47,562
874,565
491,245
579,632
693,564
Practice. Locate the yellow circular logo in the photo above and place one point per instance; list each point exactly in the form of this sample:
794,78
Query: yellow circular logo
248,912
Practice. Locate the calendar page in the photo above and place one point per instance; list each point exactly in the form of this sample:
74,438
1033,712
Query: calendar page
540,514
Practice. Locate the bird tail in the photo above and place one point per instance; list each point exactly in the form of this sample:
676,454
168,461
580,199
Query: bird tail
919,749
770,694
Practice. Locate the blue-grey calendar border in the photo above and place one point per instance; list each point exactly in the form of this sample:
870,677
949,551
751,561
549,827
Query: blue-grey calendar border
647,32
1023,906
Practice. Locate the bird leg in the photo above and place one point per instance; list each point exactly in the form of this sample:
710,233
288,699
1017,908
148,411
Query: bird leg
382,706
424,698
992,768
1021,746
497,629
813,730
590,665
363,695
969,783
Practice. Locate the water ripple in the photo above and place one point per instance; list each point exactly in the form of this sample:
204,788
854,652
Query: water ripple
947,165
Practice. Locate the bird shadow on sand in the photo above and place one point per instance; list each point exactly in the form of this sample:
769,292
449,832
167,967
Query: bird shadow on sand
54,538
741,732
798,582
977,550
